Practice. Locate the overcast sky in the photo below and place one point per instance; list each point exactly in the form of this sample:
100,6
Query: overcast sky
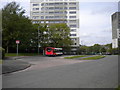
95,19
95,22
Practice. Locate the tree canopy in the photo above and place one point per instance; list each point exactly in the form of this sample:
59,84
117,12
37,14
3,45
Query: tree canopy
59,35
16,26
53,35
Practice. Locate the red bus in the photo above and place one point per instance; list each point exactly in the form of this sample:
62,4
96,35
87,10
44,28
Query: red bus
51,51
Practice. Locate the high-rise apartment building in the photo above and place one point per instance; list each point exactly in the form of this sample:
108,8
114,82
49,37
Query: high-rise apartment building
115,29
57,11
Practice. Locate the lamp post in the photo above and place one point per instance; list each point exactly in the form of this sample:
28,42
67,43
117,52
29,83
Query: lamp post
38,39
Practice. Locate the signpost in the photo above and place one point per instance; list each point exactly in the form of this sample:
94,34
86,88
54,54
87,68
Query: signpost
17,42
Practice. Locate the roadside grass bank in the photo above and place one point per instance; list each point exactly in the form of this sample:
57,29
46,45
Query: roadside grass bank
118,88
0,61
72,57
94,57
21,54
84,57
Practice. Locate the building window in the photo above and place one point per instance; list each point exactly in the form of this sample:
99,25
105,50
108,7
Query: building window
73,39
42,4
35,4
35,13
72,16
72,12
35,8
51,4
65,17
73,30
65,3
72,21
65,7
58,12
47,21
72,3
51,8
65,12
73,26
57,21
72,8
51,21
42,21
58,3
59,8
42,17
49,17
72,34
51,12
56,16
35,17
35,22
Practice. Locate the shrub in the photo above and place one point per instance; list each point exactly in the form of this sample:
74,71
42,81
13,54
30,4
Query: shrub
2,53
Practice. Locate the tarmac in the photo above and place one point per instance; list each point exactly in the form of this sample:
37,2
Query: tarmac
13,64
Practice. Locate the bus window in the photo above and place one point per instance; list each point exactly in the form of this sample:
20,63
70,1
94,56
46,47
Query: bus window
49,49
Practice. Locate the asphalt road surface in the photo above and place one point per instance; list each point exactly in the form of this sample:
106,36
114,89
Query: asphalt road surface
56,72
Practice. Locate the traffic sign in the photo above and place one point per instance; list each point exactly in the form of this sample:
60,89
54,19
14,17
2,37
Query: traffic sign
17,41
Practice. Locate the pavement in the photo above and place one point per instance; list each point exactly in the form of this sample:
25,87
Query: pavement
13,64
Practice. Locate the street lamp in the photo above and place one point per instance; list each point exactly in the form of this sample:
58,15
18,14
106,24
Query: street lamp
38,39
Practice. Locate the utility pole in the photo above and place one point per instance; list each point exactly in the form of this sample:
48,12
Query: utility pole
38,40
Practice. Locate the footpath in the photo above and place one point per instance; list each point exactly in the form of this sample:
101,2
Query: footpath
13,64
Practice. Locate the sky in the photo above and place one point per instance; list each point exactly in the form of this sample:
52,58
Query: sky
95,22
95,19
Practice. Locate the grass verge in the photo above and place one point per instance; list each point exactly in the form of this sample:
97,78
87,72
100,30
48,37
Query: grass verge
0,61
20,54
118,88
72,57
94,57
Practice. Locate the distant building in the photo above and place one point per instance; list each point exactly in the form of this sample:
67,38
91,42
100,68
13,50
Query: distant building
57,11
115,29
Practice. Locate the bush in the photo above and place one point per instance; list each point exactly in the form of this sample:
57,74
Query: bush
2,53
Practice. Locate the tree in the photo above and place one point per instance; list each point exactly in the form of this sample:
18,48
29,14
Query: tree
16,26
59,35
102,50
52,35
96,48
108,48
41,36
83,50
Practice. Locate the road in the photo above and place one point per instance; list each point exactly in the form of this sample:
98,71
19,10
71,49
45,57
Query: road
56,72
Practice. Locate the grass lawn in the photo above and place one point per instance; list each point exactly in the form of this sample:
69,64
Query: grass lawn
118,88
0,61
94,57
20,54
72,57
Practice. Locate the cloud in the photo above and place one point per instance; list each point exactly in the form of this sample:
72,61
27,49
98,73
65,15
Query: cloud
98,0
95,22
25,4
95,19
